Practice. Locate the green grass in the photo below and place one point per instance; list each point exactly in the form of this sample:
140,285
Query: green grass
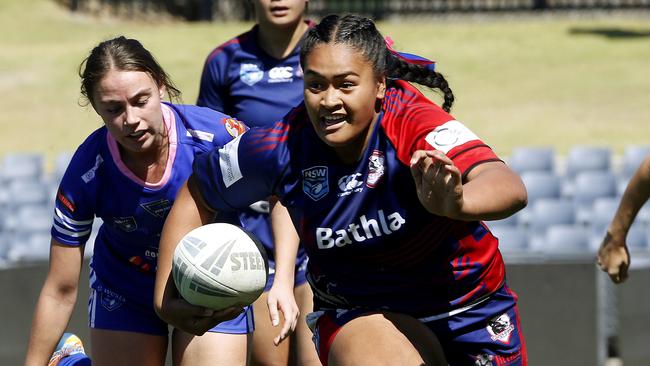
524,80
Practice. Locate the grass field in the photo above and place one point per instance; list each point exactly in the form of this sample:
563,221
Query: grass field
549,79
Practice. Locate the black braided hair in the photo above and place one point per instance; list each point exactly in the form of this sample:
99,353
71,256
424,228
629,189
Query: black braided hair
362,34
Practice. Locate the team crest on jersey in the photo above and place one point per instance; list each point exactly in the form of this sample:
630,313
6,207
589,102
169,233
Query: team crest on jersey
233,126
315,183
65,201
158,208
500,328
127,224
376,168
250,73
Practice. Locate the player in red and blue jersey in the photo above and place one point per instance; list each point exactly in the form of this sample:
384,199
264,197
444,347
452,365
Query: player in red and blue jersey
256,77
128,173
387,192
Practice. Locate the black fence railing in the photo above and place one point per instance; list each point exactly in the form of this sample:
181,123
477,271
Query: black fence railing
206,10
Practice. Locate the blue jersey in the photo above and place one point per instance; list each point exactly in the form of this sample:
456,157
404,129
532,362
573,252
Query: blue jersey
98,184
241,80
371,243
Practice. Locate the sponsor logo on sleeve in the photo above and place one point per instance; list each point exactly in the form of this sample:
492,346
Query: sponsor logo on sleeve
375,168
65,201
500,328
250,73
229,162
315,182
233,126
449,135
90,174
281,74
201,135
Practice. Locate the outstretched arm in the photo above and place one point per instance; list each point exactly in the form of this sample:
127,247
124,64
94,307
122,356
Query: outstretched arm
187,213
613,255
55,303
491,192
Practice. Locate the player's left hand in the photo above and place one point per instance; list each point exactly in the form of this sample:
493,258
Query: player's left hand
282,299
438,182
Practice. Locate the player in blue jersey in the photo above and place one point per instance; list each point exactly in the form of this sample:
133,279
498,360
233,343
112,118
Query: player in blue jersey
128,173
256,77
387,192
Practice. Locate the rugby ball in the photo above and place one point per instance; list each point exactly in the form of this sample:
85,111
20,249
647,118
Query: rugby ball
220,265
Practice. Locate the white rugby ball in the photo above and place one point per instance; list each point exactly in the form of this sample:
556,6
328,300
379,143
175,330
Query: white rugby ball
220,265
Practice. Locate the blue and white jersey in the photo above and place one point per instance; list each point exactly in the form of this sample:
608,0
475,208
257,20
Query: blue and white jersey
371,243
97,183
243,81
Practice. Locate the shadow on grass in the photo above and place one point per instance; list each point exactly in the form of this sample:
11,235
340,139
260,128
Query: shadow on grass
612,33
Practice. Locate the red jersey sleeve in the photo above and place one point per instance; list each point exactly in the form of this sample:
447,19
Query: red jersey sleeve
412,122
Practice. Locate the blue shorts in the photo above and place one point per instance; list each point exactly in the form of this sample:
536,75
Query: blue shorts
300,275
110,310
486,334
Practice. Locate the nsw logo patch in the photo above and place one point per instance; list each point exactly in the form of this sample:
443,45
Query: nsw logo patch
315,182
250,73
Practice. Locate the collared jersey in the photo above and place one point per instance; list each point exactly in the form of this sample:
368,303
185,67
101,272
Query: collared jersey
97,183
370,241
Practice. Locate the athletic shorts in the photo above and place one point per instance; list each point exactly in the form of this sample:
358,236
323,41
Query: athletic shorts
300,275
486,334
110,310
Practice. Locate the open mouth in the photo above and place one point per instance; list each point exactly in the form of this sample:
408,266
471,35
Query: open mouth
136,135
333,121
279,10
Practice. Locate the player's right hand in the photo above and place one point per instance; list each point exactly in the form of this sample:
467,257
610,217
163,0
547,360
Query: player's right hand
196,319
614,258
282,299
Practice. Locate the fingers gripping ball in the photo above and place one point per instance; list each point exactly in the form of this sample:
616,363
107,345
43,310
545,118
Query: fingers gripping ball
220,265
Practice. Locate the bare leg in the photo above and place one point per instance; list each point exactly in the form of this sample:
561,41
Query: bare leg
302,344
111,347
396,340
265,353
210,349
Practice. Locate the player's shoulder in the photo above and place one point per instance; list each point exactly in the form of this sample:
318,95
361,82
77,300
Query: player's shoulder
229,49
405,105
201,124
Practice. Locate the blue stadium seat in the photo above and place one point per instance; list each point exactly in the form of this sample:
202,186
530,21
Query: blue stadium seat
541,184
598,215
60,165
590,185
17,166
511,238
532,158
584,158
30,248
546,212
632,158
28,192
566,241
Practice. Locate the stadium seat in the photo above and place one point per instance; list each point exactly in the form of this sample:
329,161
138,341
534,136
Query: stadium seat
30,248
599,214
28,192
566,241
584,158
60,165
541,184
632,158
532,158
17,166
511,238
590,185
546,212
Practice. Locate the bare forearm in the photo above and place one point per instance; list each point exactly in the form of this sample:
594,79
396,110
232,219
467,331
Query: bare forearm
51,317
635,196
286,243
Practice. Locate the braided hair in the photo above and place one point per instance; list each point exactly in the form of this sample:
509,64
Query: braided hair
360,32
